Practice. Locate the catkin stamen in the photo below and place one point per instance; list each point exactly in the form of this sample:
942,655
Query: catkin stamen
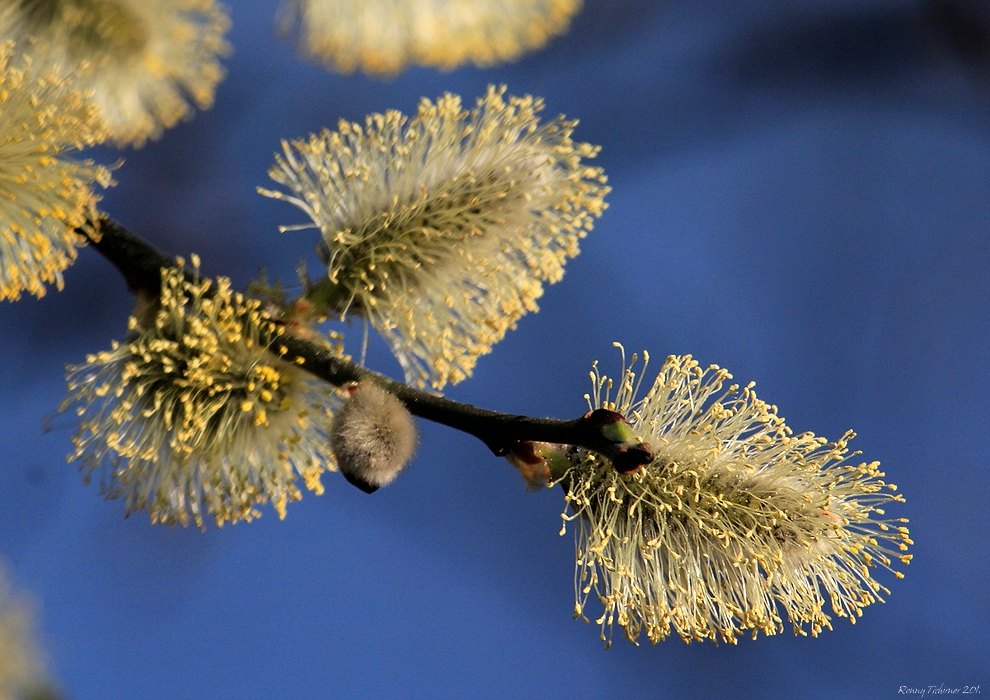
737,522
442,229
192,416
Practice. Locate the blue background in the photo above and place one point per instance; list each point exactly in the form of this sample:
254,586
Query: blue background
801,194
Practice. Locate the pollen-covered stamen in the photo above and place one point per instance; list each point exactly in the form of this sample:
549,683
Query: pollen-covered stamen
44,195
442,229
193,416
735,520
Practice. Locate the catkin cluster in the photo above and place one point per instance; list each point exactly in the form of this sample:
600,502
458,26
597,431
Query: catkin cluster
195,415
143,61
382,37
441,229
44,193
736,523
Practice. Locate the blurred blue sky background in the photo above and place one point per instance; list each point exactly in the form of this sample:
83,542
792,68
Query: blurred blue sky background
801,195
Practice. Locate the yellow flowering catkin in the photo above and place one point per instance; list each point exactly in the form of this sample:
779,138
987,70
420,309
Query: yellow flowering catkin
44,195
441,229
193,416
382,37
735,522
143,60
21,663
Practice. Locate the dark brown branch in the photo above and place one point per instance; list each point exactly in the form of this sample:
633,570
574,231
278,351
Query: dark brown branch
141,264
138,261
501,432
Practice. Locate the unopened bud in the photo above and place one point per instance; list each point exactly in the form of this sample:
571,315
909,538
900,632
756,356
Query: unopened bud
631,453
539,463
373,437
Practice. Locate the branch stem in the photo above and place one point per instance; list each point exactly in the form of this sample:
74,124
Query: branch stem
141,264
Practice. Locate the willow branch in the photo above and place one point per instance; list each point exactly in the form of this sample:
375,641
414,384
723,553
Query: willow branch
141,264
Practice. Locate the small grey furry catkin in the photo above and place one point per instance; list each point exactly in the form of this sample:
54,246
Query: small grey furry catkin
373,437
